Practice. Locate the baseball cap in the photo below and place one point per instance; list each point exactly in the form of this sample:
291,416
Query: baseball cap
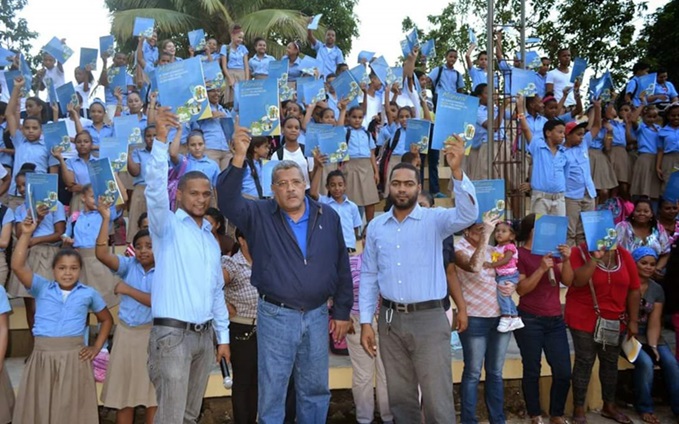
575,124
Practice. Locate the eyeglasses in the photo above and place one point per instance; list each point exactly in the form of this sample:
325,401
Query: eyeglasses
293,183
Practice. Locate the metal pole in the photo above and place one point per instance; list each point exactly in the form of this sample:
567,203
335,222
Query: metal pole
521,152
491,88
523,34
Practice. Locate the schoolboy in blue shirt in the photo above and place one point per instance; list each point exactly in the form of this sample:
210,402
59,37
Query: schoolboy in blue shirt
328,54
446,77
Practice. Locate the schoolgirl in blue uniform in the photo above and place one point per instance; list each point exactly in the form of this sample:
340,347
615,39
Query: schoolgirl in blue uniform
196,160
646,135
6,227
216,146
127,383
98,129
136,162
74,171
6,391
668,149
57,385
233,58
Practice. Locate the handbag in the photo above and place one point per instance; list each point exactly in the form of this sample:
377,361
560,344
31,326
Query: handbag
606,331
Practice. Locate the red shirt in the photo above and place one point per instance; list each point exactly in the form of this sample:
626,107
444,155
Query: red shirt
545,299
612,296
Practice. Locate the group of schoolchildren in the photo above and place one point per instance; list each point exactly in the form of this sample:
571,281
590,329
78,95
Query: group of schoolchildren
61,261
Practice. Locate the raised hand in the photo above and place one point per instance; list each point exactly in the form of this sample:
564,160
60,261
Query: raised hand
104,208
165,119
454,151
241,138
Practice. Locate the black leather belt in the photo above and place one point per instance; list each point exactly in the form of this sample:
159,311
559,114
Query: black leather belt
269,299
175,323
412,307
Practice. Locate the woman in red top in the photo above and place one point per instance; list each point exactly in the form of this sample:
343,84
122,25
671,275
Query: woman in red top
616,285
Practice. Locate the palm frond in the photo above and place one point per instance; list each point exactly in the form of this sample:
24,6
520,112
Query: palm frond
286,23
167,21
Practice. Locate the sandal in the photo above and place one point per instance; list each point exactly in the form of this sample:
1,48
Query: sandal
558,420
618,417
579,419
649,417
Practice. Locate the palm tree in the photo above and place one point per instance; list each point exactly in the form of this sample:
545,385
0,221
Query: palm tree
216,17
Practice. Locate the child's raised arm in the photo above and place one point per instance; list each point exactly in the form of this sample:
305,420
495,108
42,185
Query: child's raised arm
151,108
11,114
74,112
525,129
133,168
19,265
102,250
342,106
174,146
308,115
596,121
316,174
103,77
67,175
468,56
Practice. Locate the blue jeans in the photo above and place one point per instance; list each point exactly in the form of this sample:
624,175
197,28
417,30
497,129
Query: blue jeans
294,343
507,306
643,379
483,346
548,334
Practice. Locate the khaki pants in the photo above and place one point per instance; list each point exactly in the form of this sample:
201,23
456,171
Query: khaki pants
542,203
576,233
222,157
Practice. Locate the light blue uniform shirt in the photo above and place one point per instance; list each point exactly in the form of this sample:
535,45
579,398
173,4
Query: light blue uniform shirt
450,81
132,273
294,70
329,57
106,131
110,99
46,226
186,129
360,143
619,133
56,317
648,140
402,261
79,168
536,125
549,170
213,134
86,229
150,53
400,149
7,219
332,104
478,76
34,152
386,133
350,218
188,258
666,89
578,171
541,84
4,302
481,118
141,156
205,165
634,90
260,66
236,57
5,158
249,187
669,139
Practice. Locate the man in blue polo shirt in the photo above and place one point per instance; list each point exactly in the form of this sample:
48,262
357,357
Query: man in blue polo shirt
328,54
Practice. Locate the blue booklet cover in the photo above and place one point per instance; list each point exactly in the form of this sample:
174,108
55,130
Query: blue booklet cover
266,177
455,114
278,70
428,48
549,232
533,60
332,143
88,57
395,75
43,191
56,135
61,52
380,68
599,230
314,91
143,27
360,74
127,130
490,195
579,67
417,132
106,45
214,78
66,95
258,103
116,152
197,39
311,137
6,56
51,90
413,40
25,72
227,127
181,85
601,88
646,85
347,87
365,56
104,183
313,25
301,82
472,37
523,83
309,64
117,77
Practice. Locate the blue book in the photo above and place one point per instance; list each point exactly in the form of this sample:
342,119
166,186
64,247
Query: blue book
301,82
405,48
214,78
601,88
9,77
51,91
417,132
347,87
311,137
579,68
6,57
258,103
314,91
428,49
646,85
143,27
116,152
523,83
66,95
490,195
197,40
599,229
153,83
117,78
671,193
309,64
88,57
181,85
103,182
43,191
549,232
333,144
395,75
413,40
313,25
533,60
55,48
455,114
56,135
107,45
227,127
127,130
365,56
266,177
472,37
278,70
360,74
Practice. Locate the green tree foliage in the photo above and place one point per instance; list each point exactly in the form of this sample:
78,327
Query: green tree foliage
659,39
14,32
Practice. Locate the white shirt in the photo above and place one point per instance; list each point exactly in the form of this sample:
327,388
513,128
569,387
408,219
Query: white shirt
85,95
375,105
561,80
298,156
70,128
57,78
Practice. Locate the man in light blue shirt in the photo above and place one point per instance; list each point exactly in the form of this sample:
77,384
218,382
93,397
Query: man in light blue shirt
189,303
402,263
328,54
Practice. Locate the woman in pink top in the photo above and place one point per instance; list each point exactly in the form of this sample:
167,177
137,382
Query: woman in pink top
482,344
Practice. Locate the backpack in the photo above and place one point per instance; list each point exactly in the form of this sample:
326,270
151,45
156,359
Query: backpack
255,176
173,177
620,209
434,94
8,249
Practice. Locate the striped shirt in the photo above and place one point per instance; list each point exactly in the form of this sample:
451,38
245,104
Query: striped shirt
479,289
239,292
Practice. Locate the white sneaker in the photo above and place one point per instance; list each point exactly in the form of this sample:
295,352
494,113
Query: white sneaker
517,323
505,325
